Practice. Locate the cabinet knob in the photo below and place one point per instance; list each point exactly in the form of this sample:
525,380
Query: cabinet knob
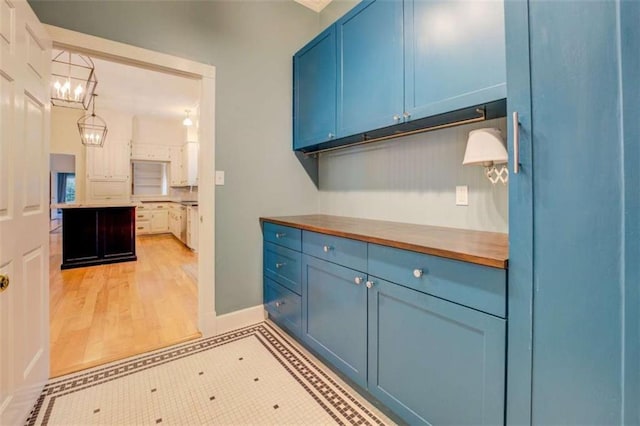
418,273
280,234
358,280
331,136
396,118
278,304
407,115
369,284
327,249
280,265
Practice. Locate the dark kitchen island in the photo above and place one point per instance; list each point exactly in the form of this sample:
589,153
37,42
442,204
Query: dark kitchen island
97,234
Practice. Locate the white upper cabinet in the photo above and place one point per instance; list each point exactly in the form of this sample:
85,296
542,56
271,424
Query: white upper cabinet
150,152
111,162
175,153
190,152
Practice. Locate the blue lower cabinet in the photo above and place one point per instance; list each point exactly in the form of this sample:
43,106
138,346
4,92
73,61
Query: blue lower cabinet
433,361
283,305
334,315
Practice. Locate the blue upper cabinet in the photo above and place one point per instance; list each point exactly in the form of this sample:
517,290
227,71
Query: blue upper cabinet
399,66
370,67
314,106
454,55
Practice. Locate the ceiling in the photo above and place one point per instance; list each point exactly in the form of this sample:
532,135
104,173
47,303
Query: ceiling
315,5
143,92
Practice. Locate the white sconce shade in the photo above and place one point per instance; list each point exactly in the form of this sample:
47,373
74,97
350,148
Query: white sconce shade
486,147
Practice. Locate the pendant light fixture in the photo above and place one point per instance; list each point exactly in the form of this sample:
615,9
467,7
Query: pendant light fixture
187,121
93,129
73,80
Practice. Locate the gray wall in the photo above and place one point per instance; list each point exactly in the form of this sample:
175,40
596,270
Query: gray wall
251,44
413,179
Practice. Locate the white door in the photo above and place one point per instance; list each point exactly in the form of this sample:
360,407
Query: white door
25,55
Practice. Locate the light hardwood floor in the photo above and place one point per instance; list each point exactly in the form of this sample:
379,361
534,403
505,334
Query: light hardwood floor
103,313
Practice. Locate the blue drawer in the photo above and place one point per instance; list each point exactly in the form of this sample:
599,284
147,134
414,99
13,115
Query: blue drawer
282,235
479,287
343,251
284,306
283,266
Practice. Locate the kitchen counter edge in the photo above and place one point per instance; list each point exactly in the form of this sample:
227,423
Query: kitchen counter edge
479,247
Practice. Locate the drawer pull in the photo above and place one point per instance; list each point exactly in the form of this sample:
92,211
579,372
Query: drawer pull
417,273
358,280
280,265
327,249
280,234
369,284
140,227
278,304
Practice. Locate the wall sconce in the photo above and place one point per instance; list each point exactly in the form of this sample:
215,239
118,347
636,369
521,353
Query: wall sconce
486,147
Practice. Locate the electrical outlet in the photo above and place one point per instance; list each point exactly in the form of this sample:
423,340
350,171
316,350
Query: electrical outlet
219,177
462,195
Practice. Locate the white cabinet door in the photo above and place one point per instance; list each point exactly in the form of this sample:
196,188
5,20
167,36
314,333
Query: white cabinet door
175,152
119,160
160,221
192,228
150,152
107,190
111,162
190,163
97,163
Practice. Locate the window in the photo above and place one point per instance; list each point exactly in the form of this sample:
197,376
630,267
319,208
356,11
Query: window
149,178
66,190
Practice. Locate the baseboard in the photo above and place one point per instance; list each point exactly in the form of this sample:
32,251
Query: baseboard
239,319
208,324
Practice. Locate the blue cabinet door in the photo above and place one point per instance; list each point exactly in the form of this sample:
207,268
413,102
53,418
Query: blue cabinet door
571,358
370,67
520,273
454,55
334,316
314,102
433,361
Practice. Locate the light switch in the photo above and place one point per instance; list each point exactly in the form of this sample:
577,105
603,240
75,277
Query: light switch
462,195
219,177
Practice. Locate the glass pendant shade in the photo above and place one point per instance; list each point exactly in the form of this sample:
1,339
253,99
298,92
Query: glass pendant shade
93,129
73,80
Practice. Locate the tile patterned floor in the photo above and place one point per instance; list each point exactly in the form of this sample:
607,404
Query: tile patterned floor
254,375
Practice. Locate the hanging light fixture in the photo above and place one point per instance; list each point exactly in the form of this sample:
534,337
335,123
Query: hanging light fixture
187,121
73,80
93,129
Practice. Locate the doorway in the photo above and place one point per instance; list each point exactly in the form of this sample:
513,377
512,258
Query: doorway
169,262
62,185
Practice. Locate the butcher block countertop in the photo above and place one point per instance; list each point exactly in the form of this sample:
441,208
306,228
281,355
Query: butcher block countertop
483,248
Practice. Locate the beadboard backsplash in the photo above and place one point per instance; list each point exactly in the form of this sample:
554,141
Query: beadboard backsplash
413,179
